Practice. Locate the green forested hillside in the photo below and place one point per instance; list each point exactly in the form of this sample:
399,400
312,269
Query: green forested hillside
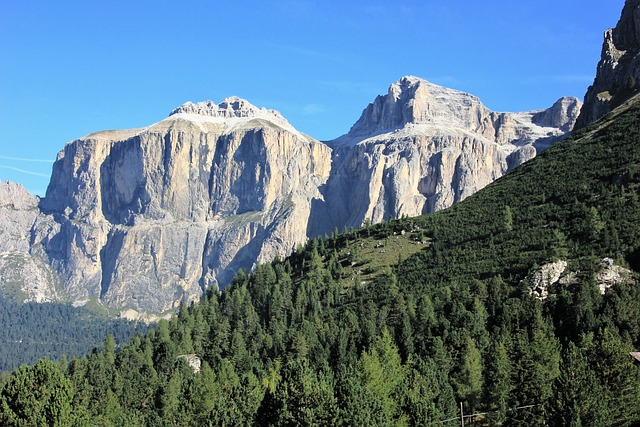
31,331
399,323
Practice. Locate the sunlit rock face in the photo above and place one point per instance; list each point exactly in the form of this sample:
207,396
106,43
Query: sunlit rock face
22,274
423,147
144,219
149,218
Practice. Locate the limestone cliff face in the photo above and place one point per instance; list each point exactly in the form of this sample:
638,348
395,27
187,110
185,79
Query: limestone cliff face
147,218
22,274
144,219
423,147
18,211
618,72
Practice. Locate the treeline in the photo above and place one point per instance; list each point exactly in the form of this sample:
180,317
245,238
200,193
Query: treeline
31,331
297,342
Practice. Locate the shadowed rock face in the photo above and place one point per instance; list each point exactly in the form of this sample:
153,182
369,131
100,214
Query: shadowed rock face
618,72
24,274
144,219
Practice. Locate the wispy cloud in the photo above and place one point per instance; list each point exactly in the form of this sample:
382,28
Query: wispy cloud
24,159
24,171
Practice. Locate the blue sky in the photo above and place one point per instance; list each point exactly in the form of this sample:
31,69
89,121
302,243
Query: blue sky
70,68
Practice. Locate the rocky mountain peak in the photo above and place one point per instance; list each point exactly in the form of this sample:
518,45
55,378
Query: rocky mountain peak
16,196
562,114
410,101
626,35
144,219
413,104
618,72
230,108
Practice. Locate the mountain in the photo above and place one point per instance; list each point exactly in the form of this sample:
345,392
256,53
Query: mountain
144,219
423,147
618,72
23,274
147,218
407,322
414,321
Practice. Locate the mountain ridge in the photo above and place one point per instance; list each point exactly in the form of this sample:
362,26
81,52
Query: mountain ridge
423,147
412,100
146,218
403,322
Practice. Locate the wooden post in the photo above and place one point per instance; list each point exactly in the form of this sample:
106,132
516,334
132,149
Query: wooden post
461,415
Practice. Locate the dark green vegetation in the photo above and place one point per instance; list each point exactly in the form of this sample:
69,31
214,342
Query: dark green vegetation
304,342
31,331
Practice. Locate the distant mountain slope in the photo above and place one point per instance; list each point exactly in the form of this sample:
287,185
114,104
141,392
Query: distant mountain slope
32,331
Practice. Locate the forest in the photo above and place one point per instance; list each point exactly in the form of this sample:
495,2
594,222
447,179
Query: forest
31,331
346,332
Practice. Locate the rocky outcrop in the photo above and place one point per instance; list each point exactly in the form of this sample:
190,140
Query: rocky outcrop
145,219
611,275
423,147
618,72
562,115
555,273
541,279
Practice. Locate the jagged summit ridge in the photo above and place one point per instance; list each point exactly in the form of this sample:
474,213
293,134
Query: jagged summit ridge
563,114
414,100
229,109
419,104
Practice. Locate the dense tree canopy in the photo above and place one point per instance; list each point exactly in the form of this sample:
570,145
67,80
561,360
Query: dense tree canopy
31,331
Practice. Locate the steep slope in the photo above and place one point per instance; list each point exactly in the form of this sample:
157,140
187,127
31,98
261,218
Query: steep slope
423,147
548,209
618,72
149,218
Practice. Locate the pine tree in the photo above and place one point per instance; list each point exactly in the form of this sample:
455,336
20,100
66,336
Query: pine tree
382,373
469,380
38,396
499,385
